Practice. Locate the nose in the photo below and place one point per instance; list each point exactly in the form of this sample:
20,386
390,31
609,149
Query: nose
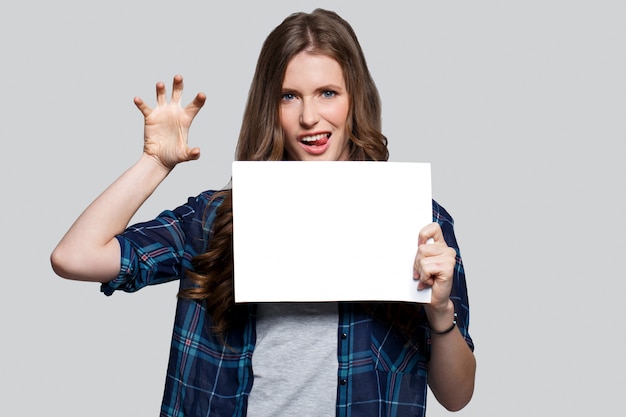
309,115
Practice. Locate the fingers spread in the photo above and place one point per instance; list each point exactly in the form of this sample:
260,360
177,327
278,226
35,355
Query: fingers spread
194,107
193,154
177,89
160,94
143,107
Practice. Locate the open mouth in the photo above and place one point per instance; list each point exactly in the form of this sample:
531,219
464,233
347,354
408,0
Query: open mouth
315,140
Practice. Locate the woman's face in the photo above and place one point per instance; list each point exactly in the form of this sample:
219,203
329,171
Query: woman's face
314,109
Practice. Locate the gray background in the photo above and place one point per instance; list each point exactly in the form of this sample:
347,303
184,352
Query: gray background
519,106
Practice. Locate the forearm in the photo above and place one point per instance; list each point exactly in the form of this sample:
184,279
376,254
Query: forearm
452,366
89,250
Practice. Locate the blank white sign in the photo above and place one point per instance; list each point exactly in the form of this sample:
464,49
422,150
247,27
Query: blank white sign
328,231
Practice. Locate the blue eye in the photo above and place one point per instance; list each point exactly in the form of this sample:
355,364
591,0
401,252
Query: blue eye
287,96
329,93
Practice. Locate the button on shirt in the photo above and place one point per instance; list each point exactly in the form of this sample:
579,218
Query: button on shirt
380,372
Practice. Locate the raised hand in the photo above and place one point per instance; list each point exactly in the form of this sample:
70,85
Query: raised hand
89,250
166,126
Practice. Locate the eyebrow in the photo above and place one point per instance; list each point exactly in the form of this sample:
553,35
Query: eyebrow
324,87
331,87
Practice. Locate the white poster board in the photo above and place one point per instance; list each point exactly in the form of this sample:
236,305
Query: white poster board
328,231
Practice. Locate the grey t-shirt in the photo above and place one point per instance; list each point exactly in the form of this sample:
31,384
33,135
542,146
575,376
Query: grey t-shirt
295,360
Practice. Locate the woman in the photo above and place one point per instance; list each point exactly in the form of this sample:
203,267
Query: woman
311,98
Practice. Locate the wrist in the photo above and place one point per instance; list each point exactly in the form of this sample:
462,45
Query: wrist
441,320
442,332
155,165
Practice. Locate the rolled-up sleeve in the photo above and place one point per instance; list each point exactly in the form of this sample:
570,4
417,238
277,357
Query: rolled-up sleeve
458,294
161,249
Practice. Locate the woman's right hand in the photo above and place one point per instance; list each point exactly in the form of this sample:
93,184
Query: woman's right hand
167,125
89,250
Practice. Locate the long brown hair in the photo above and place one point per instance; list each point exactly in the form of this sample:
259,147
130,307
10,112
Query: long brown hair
261,138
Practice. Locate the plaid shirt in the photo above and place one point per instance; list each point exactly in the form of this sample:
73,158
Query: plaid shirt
380,373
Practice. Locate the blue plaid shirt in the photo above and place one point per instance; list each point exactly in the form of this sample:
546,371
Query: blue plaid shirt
380,372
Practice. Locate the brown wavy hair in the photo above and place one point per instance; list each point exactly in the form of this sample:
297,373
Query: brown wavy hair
262,139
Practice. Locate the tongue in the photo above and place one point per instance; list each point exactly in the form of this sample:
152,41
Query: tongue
319,142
